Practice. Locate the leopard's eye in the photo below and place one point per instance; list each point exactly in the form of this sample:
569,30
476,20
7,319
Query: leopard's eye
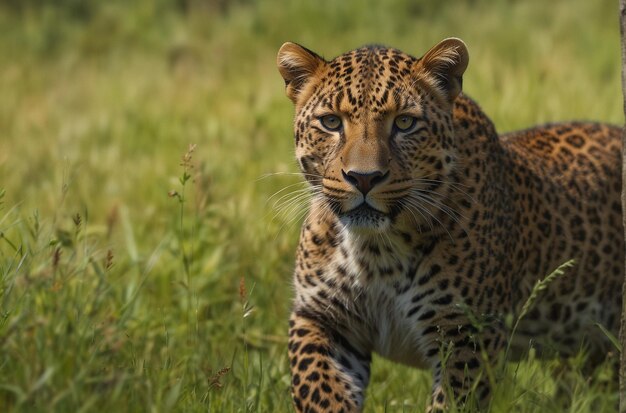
331,122
404,123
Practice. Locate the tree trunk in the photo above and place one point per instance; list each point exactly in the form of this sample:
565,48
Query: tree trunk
622,367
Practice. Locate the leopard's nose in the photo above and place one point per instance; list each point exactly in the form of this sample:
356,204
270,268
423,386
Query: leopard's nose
364,181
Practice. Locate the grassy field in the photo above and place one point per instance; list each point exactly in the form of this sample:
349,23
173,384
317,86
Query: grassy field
139,274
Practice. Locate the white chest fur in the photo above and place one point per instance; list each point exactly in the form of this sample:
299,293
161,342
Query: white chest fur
381,292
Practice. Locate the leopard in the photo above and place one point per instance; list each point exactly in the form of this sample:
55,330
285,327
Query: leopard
427,230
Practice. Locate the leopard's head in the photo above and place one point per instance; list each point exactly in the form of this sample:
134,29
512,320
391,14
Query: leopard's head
373,129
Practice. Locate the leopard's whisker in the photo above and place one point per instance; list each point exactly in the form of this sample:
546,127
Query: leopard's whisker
415,202
287,196
298,174
438,203
416,221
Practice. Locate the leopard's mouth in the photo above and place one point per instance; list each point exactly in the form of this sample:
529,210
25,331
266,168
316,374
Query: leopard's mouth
363,210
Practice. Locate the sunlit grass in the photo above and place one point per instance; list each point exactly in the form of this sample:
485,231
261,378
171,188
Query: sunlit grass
117,297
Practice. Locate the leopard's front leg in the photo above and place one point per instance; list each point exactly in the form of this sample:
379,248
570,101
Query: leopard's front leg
327,373
460,366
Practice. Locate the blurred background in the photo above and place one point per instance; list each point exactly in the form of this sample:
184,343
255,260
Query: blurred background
139,273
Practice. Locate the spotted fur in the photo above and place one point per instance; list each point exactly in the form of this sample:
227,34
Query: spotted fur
416,234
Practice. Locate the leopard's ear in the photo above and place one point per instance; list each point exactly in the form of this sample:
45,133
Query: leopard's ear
296,65
444,64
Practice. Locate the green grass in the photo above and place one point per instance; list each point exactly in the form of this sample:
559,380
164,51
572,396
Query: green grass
117,297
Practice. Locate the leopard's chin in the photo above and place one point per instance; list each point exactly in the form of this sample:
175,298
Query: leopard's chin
365,219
